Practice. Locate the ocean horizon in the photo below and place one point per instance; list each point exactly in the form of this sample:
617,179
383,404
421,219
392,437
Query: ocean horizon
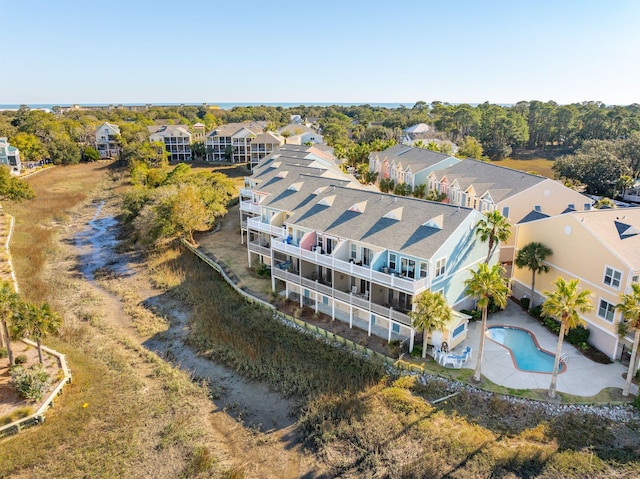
221,105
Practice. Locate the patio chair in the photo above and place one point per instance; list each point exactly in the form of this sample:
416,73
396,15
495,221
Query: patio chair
461,360
436,353
449,359
469,351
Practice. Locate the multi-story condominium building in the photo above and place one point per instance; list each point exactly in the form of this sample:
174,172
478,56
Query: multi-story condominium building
519,196
601,248
176,138
354,254
264,144
231,142
409,165
10,156
107,140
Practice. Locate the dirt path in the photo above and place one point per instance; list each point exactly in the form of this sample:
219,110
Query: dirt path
266,414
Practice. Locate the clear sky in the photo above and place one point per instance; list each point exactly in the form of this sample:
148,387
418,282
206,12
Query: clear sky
139,51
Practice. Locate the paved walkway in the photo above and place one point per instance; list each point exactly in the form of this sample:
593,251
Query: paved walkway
583,377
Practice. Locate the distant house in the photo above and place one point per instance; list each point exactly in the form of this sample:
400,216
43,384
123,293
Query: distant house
264,144
601,248
418,129
199,133
107,140
519,196
231,142
176,139
297,134
406,164
10,156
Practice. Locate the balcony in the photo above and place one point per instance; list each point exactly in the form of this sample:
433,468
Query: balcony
256,224
246,192
249,206
260,248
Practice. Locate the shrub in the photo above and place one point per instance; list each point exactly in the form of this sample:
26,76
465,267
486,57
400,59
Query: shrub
20,359
636,402
3,353
578,336
30,383
524,302
537,311
417,351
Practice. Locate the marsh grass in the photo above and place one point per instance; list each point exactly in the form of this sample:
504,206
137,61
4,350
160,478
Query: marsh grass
366,424
127,412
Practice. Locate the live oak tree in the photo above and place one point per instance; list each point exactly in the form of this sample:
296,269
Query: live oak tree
12,188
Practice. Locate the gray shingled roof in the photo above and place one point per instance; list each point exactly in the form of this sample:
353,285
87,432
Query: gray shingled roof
231,129
407,234
501,182
417,159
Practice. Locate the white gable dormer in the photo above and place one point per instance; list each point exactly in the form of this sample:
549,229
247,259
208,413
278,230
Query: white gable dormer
358,207
436,222
395,214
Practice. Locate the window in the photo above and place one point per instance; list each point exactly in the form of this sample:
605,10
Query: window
440,267
606,310
325,300
392,261
572,206
612,277
459,330
373,319
634,279
353,251
505,211
395,327
587,206
424,269
538,208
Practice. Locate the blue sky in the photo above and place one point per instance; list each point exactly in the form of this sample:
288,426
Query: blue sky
138,51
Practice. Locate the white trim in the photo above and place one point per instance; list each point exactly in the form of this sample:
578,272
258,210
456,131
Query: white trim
582,280
613,272
597,311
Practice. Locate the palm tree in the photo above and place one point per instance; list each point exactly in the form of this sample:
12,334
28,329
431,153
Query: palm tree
431,313
630,308
37,321
8,305
494,229
484,285
564,304
532,257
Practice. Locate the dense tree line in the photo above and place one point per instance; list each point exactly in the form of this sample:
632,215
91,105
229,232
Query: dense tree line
490,130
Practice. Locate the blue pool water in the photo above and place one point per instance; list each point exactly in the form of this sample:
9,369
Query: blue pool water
523,349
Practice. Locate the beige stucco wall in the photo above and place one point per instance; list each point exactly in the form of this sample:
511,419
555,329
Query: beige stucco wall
576,254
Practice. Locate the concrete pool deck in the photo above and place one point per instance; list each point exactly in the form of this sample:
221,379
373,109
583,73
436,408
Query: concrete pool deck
583,377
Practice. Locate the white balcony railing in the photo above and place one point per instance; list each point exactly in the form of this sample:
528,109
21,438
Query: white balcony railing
250,206
246,192
258,225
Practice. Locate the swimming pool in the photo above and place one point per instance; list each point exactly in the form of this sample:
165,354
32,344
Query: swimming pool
525,352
